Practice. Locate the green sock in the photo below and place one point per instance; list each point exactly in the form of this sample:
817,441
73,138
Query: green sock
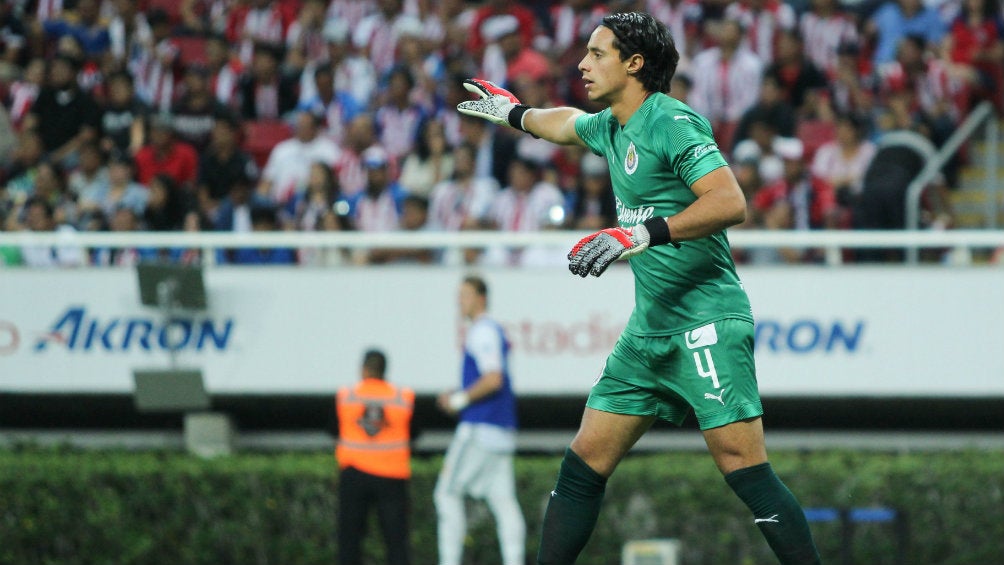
776,512
572,511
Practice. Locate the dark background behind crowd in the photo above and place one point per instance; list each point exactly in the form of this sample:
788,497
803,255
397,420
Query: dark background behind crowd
311,115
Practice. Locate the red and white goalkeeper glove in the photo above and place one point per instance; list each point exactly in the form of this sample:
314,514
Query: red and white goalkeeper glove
497,105
594,253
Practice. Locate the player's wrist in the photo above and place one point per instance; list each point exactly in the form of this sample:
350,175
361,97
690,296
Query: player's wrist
517,118
458,400
658,232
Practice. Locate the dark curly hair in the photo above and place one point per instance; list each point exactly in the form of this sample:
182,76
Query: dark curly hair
638,32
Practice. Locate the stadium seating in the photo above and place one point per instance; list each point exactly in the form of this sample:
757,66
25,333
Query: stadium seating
814,133
260,136
171,7
191,50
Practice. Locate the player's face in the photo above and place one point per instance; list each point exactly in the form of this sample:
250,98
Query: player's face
602,69
469,301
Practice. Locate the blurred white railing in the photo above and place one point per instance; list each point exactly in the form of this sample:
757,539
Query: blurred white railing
984,113
961,243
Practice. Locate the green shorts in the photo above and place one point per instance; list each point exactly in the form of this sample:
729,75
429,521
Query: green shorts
708,369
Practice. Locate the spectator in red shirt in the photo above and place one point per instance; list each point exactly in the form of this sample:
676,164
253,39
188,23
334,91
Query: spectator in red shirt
165,154
795,201
976,43
806,202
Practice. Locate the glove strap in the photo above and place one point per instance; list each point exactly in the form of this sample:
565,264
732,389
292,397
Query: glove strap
658,232
516,116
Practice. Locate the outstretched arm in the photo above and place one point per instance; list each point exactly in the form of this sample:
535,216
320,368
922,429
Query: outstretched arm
556,125
499,106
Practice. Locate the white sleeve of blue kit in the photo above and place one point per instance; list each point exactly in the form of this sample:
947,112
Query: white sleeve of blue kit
484,343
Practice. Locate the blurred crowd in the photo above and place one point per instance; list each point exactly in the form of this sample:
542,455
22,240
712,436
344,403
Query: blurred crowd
310,115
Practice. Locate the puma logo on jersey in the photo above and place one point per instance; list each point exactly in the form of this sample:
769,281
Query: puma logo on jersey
709,396
681,118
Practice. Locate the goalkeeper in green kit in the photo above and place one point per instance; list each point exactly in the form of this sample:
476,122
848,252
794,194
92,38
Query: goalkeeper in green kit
689,342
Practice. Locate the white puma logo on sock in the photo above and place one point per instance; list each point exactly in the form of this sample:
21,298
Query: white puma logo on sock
771,519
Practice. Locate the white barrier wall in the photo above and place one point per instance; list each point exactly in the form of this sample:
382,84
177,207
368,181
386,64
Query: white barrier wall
882,331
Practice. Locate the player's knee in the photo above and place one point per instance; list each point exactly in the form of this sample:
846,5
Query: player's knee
737,445
597,464
597,459
729,459
442,497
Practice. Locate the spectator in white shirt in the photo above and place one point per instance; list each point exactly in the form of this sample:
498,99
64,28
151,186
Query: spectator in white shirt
288,167
376,35
726,81
305,36
762,20
430,163
398,118
843,162
359,136
527,204
463,201
827,27
353,75
378,207
39,217
117,190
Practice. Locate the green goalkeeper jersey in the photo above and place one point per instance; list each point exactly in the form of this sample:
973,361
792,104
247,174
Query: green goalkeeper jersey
654,159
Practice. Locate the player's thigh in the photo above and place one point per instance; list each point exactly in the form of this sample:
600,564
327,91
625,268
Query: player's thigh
456,462
465,463
633,377
714,371
498,475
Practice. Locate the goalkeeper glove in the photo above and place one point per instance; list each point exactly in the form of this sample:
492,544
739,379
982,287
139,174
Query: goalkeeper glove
497,105
594,253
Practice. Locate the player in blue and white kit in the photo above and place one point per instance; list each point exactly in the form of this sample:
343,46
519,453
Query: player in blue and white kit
479,461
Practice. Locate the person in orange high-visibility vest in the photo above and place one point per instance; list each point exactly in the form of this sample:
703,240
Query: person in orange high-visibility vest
374,458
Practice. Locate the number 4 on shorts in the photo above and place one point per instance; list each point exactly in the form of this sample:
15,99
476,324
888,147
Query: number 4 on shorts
710,371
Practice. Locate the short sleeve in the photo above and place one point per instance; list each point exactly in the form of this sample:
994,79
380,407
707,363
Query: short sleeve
690,147
589,128
484,343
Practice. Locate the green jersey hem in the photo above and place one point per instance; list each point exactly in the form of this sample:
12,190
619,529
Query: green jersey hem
690,326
